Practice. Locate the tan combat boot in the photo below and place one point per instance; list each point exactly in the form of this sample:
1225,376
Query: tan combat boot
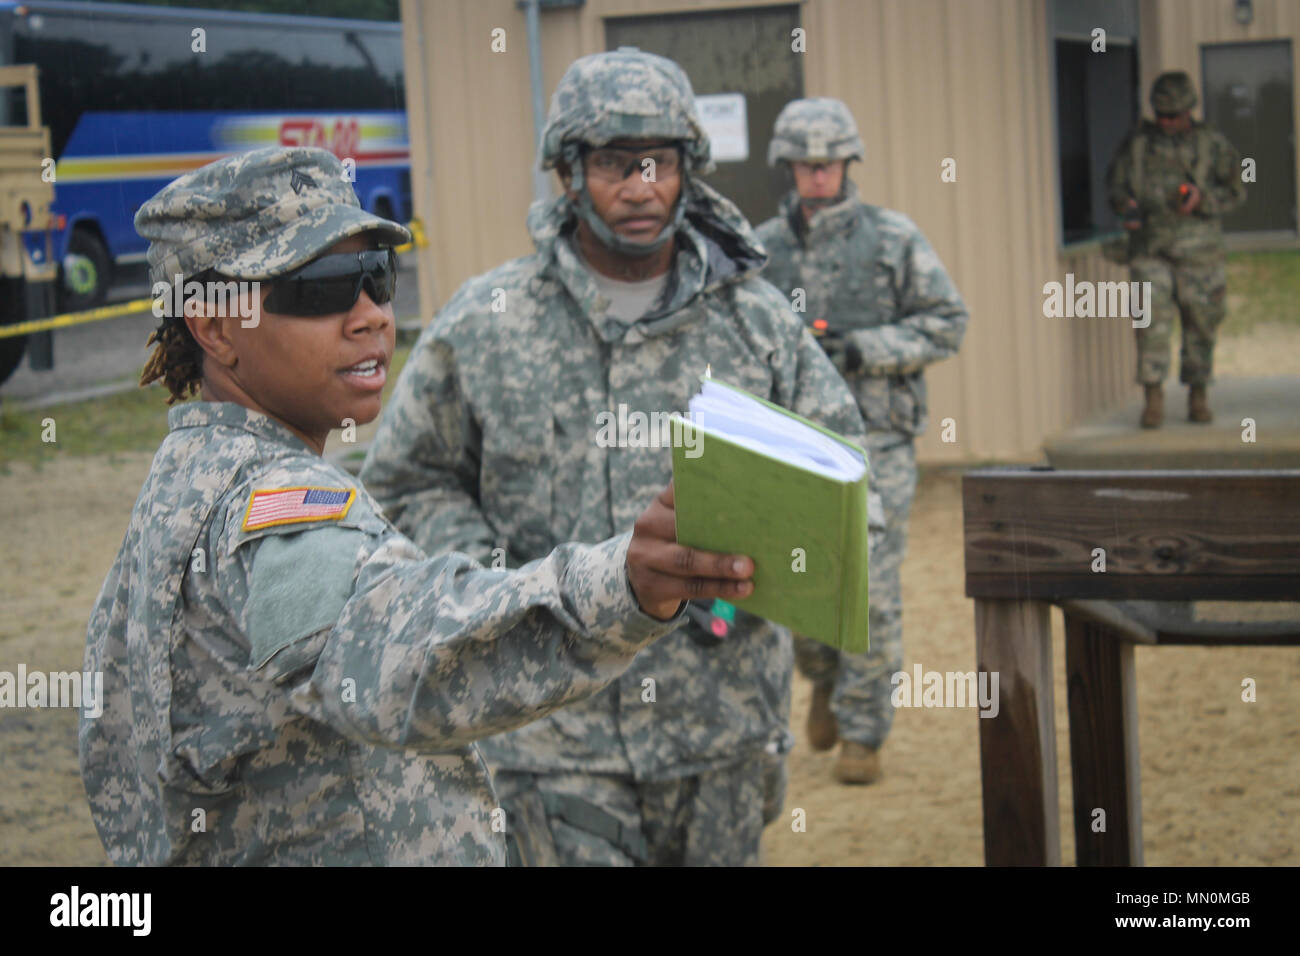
1198,405
823,728
857,763
1154,413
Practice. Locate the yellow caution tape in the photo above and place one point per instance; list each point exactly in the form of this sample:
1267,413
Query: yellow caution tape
144,305
76,318
418,238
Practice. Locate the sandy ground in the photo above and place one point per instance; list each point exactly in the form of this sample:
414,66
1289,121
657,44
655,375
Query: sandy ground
1219,776
62,525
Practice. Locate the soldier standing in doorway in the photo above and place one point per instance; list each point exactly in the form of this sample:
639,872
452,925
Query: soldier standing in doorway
1173,181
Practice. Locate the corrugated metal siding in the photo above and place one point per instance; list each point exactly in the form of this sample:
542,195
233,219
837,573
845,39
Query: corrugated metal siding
1099,355
1173,30
475,114
926,79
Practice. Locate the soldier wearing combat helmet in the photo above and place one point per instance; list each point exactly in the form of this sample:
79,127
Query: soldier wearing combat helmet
1173,180
883,307
642,276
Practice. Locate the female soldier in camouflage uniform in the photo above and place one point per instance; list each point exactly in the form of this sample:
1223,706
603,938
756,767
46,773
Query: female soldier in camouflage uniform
287,678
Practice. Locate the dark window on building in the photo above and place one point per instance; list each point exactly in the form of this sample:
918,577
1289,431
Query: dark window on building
1097,106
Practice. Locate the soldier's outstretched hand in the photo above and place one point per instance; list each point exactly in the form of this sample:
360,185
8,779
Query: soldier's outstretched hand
664,573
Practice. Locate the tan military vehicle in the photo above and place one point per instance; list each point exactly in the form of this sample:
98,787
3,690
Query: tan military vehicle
27,267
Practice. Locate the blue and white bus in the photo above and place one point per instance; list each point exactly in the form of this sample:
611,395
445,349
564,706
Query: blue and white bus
135,96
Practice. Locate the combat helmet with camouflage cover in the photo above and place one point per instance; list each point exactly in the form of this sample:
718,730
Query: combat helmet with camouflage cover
813,129
1173,92
623,94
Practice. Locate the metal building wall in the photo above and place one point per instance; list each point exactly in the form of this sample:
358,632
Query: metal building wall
926,79
1173,30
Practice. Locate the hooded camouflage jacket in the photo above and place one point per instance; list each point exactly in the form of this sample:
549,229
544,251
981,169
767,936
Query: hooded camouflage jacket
491,440
874,278
1151,165
284,690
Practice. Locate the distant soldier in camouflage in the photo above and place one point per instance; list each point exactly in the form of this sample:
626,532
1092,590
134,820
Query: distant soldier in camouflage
1173,181
288,680
873,290
642,277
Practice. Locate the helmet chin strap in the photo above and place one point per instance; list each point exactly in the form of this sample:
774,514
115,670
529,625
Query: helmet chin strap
601,230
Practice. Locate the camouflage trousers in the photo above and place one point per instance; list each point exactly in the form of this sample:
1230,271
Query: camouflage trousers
1194,290
714,818
862,688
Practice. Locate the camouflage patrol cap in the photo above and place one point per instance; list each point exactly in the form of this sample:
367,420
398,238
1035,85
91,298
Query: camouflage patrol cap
1173,92
817,128
255,215
624,94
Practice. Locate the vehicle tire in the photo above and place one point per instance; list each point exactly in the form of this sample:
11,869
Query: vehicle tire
11,356
85,273
11,311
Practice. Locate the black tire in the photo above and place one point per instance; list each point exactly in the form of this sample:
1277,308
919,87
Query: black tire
12,310
84,281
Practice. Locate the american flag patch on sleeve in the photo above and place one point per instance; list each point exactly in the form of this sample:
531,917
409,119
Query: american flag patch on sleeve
275,506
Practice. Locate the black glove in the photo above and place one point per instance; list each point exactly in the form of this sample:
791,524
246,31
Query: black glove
846,356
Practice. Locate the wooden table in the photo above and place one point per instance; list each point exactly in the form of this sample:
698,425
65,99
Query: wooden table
1031,540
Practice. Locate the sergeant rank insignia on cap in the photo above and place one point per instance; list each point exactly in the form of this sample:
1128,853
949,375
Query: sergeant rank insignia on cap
299,181
273,506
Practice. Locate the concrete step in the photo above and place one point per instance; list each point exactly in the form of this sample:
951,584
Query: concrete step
1113,439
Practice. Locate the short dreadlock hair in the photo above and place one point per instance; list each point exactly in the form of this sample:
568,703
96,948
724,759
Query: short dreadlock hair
177,357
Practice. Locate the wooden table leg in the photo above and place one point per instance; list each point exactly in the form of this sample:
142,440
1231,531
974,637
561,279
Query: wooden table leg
1102,692
1018,746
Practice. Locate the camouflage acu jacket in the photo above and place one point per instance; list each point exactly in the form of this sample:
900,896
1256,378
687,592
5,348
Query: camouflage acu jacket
1151,165
872,276
492,441
294,691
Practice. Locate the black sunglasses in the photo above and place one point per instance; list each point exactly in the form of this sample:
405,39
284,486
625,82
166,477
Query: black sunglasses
332,284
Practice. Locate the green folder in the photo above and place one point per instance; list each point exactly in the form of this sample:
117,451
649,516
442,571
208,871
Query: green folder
806,532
